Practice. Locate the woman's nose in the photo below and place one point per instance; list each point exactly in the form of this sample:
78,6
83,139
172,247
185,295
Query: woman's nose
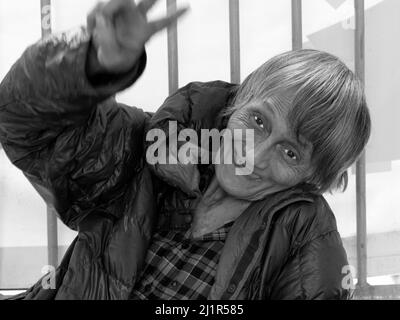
262,155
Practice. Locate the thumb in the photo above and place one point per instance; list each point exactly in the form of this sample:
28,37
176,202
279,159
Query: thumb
104,37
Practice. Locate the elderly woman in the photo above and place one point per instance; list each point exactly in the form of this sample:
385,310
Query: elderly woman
183,231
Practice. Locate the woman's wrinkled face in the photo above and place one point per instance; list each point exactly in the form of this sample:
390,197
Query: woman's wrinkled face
281,159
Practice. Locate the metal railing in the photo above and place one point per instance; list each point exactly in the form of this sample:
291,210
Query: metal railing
52,230
359,58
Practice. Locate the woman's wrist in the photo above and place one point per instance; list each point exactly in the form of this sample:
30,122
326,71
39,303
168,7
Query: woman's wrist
98,74
115,64
99,64
118,64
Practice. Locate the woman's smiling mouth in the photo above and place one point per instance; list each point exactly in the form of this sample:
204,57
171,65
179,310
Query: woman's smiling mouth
235,161
243,164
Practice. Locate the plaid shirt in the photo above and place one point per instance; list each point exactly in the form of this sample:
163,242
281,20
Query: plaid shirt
179,267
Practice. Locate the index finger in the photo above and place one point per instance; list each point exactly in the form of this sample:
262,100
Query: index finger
146,5
160,24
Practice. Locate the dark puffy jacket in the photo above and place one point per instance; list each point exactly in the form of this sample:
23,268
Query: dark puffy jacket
84,153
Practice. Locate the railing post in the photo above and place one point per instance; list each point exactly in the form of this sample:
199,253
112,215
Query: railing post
297,25
52,237
234,37
172,34
361,164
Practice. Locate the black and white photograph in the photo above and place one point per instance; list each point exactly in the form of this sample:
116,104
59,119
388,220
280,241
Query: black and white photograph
220,151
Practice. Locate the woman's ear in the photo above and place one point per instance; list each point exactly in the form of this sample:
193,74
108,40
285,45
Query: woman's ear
342,181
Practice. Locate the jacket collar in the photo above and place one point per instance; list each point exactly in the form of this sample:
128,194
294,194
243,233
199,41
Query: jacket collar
244,245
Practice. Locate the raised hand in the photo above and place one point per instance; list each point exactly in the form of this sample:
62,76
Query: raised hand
120,29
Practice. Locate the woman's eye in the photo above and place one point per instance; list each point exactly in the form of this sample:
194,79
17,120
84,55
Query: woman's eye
290,154
259,122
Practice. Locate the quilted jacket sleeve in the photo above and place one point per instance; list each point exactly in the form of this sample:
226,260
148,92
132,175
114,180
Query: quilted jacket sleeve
66,132
316,265
315,271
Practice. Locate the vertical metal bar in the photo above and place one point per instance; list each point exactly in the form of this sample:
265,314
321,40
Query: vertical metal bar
361,165
52,237
234,36
45,14
172,32
297,25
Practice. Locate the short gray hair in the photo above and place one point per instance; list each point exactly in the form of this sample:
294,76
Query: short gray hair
329,109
